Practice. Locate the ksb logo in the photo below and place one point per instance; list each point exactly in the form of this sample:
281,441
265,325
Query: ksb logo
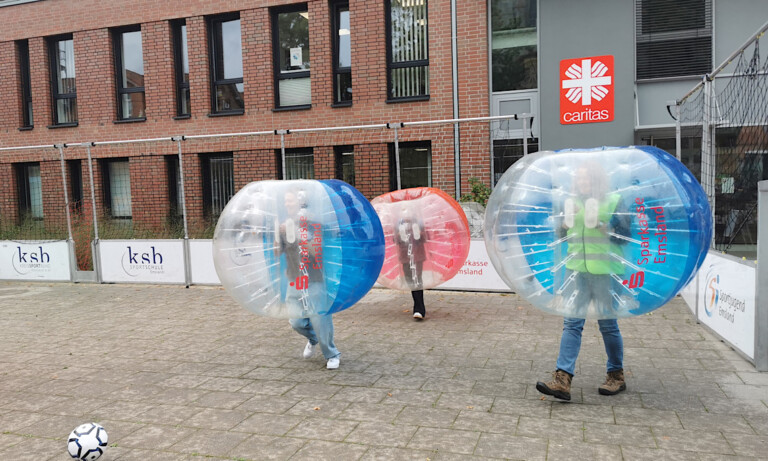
301,283
586,90
636,280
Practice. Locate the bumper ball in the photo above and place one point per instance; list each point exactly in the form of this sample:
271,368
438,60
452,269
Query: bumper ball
291,249
426,235
601,233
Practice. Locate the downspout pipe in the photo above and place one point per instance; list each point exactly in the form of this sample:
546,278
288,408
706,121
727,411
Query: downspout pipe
456,137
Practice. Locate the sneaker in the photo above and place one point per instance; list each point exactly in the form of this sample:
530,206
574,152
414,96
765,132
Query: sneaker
559,387
419,313
309,350
614,383
333,363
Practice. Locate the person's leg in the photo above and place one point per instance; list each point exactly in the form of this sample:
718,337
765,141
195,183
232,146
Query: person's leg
304,328
570,344
323,328
419,310
614,348
614,344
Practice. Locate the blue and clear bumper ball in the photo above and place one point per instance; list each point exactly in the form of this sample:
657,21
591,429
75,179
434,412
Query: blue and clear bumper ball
600,233
291,249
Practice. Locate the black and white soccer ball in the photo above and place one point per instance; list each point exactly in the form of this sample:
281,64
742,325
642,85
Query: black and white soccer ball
87,442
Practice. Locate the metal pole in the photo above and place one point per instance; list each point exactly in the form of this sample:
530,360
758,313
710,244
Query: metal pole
397,158
183,196
93,193
525,136
708,152
282,153
66,194
96,252
678,133
761,309
455,76
187,250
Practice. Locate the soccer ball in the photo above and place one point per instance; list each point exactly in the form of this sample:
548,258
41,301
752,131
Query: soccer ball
87,442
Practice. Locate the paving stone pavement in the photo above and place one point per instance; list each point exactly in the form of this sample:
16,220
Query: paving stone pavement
186,374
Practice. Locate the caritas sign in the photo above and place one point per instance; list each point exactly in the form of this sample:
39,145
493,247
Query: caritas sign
586,90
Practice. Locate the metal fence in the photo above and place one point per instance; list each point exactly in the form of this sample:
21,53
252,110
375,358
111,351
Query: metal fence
84,192
722,136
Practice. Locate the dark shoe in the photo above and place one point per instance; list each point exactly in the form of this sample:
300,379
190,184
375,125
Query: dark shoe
419,312
614,383
559,387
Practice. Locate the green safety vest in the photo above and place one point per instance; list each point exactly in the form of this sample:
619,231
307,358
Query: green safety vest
591,249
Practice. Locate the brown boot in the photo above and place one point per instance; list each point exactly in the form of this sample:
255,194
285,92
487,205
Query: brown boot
614,383
559,387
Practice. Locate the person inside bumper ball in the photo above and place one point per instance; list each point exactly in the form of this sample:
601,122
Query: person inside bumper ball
595,226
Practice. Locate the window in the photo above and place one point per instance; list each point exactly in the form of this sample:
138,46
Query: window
345,164
415,165
226,65
129,65
30,191
690,149
290,39
218,183
407,53
116,177
342,55
75,184
181,58
22,48
513,45
299,163
507,151
174,185
673,38
61,52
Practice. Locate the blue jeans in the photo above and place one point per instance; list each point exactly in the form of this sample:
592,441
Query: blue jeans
318,329
570,344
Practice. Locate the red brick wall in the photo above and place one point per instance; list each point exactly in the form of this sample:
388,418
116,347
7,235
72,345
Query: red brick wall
90,22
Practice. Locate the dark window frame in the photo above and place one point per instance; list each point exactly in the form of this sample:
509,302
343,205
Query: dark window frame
75,171
117,41
174,188
53,43
106,184
336,9
403,64
211,22
393,164
178,60
277,74
207,180
338,154
665,51
296,151
22,48
24,191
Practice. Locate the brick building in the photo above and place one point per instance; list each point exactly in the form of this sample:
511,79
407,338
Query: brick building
77,71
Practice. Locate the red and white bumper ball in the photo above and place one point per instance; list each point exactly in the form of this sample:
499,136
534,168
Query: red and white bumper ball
426,236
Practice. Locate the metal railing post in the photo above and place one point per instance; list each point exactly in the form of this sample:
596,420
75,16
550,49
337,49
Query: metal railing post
66,194
95,249
761,294
187,250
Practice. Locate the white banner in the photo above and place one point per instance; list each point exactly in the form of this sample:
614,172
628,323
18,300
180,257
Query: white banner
727,300
34,261
688,293
477,273
201,259
142,261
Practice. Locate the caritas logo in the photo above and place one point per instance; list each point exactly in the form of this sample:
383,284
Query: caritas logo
586,90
